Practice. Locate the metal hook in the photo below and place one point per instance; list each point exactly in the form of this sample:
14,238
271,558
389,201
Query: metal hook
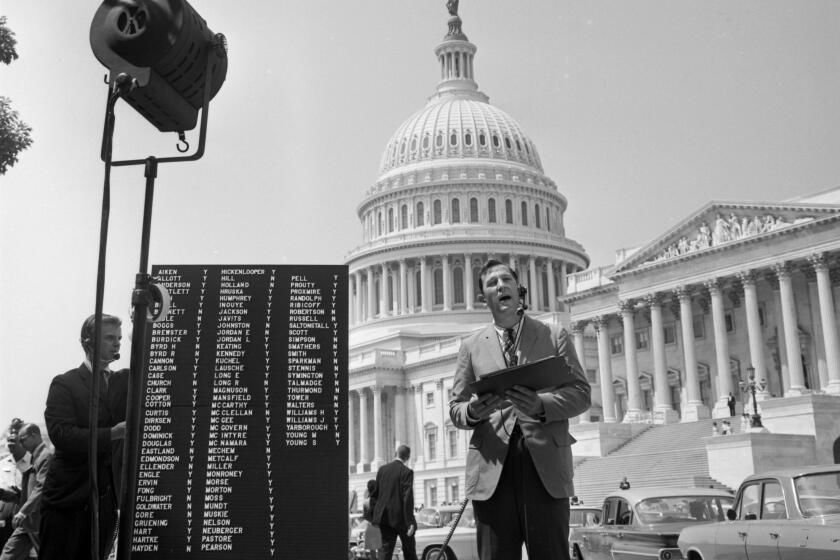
105,79
182,139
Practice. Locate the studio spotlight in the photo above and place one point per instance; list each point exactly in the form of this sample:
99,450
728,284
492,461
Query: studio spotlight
174,60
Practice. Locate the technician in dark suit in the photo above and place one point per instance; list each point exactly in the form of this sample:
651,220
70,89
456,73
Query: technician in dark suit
65,501
394,509
519,463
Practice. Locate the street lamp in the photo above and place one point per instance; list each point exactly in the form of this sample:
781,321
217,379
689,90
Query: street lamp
749,387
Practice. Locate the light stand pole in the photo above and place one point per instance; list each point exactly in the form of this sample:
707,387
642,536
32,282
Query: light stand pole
749,387
167,64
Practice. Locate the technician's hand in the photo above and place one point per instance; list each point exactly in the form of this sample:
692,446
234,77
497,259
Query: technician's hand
411,529
118,431
17,520
526,401
481,407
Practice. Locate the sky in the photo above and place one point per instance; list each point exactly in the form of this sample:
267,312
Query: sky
642,112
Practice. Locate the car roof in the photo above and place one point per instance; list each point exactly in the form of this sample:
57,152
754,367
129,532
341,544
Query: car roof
794,471
634,495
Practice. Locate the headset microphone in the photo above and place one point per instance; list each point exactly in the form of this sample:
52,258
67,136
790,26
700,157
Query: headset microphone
523,291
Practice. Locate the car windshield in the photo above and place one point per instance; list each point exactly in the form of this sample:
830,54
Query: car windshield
584,517
683,509
819,493
432,517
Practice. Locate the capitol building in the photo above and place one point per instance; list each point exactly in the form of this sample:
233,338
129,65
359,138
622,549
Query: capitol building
665,333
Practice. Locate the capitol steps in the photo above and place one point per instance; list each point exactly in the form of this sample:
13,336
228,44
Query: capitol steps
670,455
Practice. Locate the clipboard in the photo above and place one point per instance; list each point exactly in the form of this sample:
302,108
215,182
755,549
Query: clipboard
536,375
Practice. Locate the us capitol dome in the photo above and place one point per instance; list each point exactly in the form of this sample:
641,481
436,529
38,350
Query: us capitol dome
459,182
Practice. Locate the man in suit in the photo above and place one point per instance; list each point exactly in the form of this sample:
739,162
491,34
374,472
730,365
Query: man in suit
519,463
13,469
66,498
394,509
27,519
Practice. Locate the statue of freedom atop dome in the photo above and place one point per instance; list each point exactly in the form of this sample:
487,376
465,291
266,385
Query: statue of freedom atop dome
452,6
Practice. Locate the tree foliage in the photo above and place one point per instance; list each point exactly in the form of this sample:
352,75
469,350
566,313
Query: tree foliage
15,135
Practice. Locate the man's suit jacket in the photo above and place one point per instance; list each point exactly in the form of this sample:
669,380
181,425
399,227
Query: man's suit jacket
66,485
394,496
31,508
547,439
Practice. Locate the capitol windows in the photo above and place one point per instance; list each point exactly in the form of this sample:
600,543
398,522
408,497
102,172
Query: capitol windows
404,217
507,142
508,211
669,332
473,210
418,289
438,285
437,213
491,210
699,326
468,139
495,141
453,139
379,224
482,139
547,218
390,220
518,145
431,445
418,216
730,321
458,285
616,344
456,211
642,339
537,215
454,447
426,142
524,213
439,140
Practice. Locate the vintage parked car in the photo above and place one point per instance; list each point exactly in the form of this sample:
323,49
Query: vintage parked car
645,522
789,514
462,545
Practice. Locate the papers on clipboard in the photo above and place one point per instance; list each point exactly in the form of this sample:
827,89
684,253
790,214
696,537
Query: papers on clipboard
537,375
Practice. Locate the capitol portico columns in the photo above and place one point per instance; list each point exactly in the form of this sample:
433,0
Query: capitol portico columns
424,286
724,377
403,287
360,315
605,369
351,414
363,434
829,325
694,408
533,292
400,412
447,283
662,405
577,329
377,429
371,290
469,296
634,392
748,281
383,291
552,290
791,328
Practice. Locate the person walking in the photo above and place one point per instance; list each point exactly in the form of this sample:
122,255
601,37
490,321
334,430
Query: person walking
393,512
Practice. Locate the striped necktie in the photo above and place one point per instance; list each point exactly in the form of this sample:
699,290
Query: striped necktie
509,340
